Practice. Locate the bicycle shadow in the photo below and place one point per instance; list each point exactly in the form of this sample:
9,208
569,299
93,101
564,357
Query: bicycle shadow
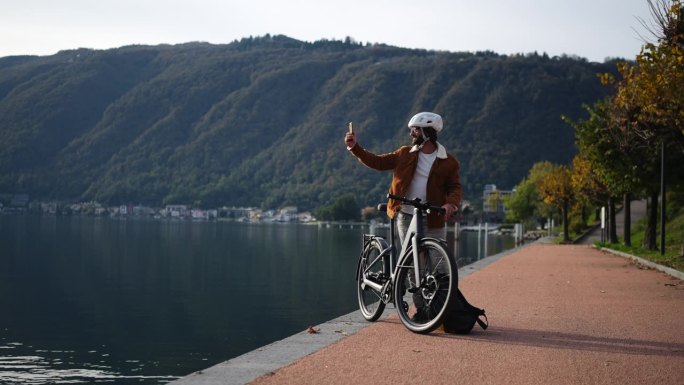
571,341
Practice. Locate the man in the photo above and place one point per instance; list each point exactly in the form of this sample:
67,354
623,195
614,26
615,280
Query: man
423,170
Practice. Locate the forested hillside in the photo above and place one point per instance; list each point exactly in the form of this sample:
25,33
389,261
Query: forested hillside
261,121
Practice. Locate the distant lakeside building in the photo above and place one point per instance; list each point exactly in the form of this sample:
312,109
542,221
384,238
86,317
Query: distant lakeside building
20,202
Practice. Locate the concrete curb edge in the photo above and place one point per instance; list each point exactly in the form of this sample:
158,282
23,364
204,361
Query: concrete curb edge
667,270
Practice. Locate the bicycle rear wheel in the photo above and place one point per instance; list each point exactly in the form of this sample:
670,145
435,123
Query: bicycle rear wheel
422,305
374,267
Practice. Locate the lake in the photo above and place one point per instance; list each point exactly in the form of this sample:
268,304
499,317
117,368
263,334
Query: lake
137,301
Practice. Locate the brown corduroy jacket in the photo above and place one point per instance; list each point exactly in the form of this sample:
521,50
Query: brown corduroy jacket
443,186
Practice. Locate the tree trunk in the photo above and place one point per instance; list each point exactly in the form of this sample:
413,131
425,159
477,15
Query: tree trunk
566,234
612,228
627,206
651,227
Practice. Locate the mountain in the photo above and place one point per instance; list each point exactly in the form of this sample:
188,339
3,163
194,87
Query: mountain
261,121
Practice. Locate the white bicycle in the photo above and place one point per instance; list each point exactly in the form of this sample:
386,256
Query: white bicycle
422,282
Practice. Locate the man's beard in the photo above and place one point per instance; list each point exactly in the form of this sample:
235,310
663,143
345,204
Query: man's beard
417,141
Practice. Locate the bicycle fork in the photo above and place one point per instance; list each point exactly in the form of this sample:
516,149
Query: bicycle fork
424,283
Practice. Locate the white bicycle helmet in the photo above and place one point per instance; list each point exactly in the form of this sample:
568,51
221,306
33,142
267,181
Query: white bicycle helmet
426,119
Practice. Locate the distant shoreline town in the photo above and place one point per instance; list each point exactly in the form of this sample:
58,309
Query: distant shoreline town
21,203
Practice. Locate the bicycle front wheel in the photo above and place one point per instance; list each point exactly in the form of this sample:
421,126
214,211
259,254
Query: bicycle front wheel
421,305
372,274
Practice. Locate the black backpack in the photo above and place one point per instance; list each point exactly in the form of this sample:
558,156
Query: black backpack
463,316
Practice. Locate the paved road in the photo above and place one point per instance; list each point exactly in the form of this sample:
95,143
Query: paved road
566,314
638,212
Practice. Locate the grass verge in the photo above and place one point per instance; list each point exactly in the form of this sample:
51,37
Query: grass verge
674,239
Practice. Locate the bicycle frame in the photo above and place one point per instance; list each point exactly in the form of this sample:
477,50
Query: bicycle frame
414,233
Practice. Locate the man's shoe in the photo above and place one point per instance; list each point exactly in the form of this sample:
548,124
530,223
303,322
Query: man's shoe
420,317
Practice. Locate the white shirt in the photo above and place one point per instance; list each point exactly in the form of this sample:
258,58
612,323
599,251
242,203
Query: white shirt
418,188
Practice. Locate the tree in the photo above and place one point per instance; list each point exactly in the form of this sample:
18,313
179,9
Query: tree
525,205
555,188
647,111
521,205
614,157
588,185
344,208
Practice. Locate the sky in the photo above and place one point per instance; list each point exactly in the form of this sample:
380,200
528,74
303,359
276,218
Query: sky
592,29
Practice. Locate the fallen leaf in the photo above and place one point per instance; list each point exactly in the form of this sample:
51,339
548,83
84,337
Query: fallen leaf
311,330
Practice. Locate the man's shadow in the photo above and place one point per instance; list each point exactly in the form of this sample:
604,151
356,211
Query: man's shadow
572,341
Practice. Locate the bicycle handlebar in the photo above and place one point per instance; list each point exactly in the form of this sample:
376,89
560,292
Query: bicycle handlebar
418,204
